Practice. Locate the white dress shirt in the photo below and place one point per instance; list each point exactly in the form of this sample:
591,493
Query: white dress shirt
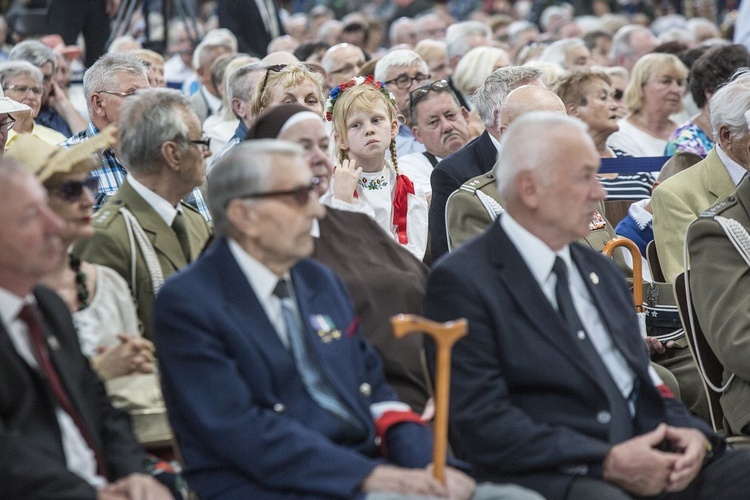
165,209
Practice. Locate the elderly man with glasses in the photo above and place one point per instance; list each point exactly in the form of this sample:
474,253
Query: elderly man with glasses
144,232
107,85
441,124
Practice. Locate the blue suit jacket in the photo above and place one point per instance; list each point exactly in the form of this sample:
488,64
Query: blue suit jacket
476,158
525,406
246,426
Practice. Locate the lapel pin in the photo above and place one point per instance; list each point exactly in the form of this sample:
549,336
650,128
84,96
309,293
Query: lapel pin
53,343
594,278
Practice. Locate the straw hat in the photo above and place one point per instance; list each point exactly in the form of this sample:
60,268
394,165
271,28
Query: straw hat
8,105
45,160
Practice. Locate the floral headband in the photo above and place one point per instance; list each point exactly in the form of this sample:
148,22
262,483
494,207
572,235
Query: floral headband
357,80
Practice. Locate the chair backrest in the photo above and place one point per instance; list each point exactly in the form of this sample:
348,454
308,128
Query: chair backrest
653,262
705,359
616,210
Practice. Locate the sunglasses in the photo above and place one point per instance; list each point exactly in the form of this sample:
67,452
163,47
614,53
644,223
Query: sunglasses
72,190
277,68
300,195
417,95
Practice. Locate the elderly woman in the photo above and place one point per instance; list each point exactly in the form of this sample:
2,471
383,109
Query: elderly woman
588,95
103,312
23,82
435,54
476,66
654,93
707,74
288,84
383,278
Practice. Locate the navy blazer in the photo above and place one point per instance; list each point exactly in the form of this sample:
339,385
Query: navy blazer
246,426
32,460
525,406
475,158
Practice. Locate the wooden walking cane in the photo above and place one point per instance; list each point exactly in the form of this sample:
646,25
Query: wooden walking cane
444,335
635,254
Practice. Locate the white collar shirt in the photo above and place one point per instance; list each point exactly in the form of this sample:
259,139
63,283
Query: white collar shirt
165,209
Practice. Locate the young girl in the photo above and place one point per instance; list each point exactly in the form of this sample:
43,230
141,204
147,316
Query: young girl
365,125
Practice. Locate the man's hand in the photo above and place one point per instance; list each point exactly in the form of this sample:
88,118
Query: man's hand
136,487
691,445
636,467
345,178
391,479
656,347
460,486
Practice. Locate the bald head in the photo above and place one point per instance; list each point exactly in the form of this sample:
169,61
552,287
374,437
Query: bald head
527,99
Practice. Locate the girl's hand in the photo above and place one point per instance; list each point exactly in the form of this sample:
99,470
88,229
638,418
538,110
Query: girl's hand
345,178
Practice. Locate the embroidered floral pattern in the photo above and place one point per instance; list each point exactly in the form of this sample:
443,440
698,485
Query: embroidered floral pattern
373,183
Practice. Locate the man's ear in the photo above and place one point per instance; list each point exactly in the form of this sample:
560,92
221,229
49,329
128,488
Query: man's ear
97,105
724,138
415,133
465,113
238,108
572,109
172,155
527,189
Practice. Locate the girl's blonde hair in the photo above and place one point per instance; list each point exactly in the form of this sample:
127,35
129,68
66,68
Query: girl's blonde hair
363,98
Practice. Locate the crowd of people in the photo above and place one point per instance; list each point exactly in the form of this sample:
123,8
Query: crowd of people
202,248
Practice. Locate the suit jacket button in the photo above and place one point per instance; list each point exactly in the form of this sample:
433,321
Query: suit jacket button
581,335
365,389
377,440
279,408
603,417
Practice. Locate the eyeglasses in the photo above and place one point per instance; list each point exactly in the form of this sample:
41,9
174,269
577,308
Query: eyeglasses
25,89
72,190
617,94
417,95
119,94
8,124
276,68
347,68
300,195
204,143
403,81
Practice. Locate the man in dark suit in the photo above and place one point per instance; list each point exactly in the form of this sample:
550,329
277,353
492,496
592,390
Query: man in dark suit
552,387
272,391
60,437
479,155
254,23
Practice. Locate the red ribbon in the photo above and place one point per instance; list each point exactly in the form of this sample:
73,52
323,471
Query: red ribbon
404,187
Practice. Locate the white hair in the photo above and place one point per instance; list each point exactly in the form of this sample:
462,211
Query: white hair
398,59
729,105
457,36
556,52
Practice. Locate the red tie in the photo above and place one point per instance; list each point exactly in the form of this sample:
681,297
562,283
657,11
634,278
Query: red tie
30,316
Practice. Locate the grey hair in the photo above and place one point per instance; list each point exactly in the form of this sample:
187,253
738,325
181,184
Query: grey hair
147,120
406,23
621,45
489,98
557,51
12,69
34,52
204,52
729,105
238,83
106,71
456,37
518,153
327,60
244,170
398,59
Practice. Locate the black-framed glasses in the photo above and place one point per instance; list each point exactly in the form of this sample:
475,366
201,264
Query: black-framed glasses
8,124
72,190
204,142
617,94
276,68
403,81
25,89
418,94
300,195
119,94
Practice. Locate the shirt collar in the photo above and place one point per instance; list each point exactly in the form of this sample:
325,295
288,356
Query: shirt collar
241,131
10,305
165,209
536,254
261,279
497,144
735,170
213,102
